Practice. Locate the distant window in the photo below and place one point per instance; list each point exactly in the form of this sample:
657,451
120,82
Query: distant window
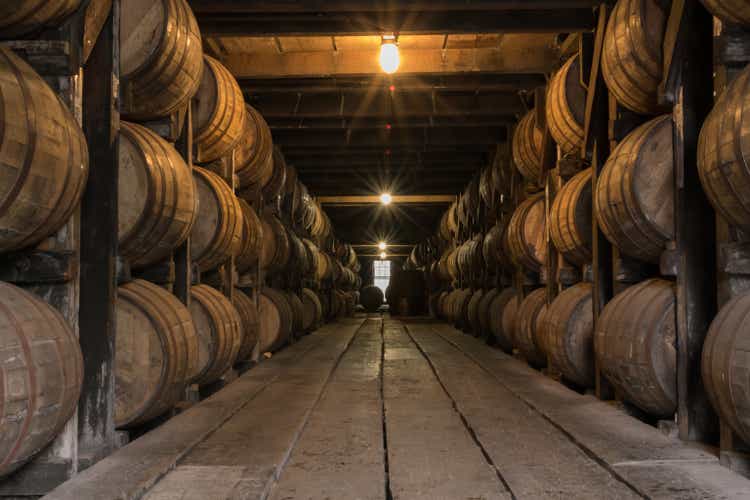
381,270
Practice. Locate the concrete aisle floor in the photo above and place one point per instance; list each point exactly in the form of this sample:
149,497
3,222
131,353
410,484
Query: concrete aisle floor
381,409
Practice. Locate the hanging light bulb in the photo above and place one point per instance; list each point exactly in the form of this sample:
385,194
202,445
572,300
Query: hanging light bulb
383,255
386,198
382,245
389,57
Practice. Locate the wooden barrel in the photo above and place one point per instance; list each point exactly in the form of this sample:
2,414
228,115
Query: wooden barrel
566,107
503,318
338,304
156,352
248,312
634,196
313,310
452,264
275,185
217,232
371,298
161,57
157,202
461,308
298,312
527,148
569,334
730,11
529,319
254,154
525,236
300,264
494,249
472,312
724,366
219,329
448,226
470,259
275,251
485,312
42,375
632,54
275,326
44,161
570,219
218,113
722,156
634,342
252,239
23,17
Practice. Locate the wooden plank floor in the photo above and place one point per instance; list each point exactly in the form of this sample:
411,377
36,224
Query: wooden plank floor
389,409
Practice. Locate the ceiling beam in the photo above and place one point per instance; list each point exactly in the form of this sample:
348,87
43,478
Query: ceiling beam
386,123
422,199
285,23
487,82
324,6
475,136
520,58
391,105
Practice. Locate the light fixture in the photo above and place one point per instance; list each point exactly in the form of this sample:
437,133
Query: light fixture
383,255
386,198
382,245
389,57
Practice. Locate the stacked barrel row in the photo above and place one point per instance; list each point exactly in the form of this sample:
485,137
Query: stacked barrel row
162,345
632,201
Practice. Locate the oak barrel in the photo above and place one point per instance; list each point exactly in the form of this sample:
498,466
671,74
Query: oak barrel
527,327
723,156
219,329
218,112
527,148
634,196
566,107
23,17
157,202
568,334
570,219
484,312
730,11
254,154
494,249
217,232
161,57
313,309
632,54
371,298
41,372
472,312
298,312
248,313
634,342
275,326
252,239
275,251
725,364
156,352
275,185
44,161
502,330
526,234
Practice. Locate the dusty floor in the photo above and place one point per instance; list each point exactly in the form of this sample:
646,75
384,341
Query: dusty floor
381,409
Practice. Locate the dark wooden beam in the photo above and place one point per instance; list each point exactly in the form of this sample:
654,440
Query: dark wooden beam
404,22
475,136
327,6
380,123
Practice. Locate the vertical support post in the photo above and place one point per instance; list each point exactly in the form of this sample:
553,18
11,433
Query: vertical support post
181,256
688,84
99,246
596,147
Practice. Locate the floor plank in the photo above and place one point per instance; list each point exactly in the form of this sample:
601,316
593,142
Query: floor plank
340,453
259,437
659,466
431,454
536,459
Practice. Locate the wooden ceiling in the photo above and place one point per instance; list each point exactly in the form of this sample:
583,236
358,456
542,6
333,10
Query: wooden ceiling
311,68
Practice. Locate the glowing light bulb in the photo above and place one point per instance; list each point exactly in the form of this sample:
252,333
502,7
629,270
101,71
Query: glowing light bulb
382,245
389,57
383,255
386,199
